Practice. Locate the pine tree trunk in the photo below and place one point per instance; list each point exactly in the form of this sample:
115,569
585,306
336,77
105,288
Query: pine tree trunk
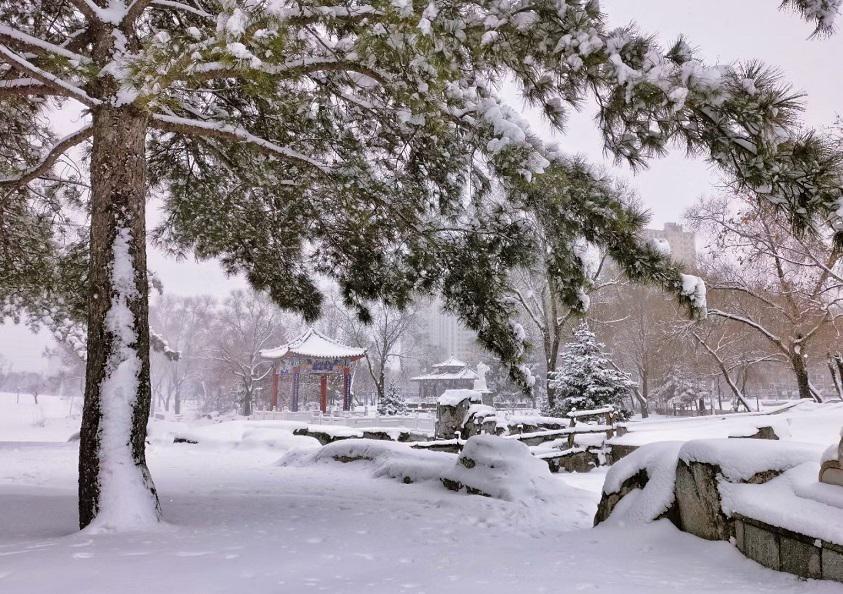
114,483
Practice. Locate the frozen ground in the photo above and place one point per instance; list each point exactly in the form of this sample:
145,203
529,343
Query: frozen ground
237,522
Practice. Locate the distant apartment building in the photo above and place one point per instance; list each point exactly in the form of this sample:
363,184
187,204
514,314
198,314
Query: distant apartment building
683,244
446,334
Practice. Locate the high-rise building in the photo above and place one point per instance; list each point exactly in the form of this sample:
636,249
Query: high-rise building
445,332
683,244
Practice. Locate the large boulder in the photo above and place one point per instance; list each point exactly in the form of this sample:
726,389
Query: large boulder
480,418
501,468
707,463
452,412
644,482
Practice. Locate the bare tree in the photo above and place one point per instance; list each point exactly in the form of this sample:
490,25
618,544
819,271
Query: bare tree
542,308
385,338
785,287
247,323
638,325
185,326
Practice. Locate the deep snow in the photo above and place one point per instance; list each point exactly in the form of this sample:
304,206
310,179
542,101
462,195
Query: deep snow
238,522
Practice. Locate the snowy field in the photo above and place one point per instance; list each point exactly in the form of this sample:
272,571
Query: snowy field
239,522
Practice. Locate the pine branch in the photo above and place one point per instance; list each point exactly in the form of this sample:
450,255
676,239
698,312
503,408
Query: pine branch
62,87
134,11
18,87
297,67
184,7
47,162
12,36
87,8
211,129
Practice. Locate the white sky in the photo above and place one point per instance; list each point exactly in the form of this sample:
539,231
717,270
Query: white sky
723,30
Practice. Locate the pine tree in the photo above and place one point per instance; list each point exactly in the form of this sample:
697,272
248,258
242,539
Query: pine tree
293,139
586,379
392,402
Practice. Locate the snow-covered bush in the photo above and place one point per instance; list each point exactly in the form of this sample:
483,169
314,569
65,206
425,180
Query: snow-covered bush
586,379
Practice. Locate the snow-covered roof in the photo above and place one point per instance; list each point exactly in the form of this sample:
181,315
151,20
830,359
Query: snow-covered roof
451,362
462,374
313,343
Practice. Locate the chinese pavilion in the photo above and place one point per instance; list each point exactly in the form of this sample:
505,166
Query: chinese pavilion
312,354
447,375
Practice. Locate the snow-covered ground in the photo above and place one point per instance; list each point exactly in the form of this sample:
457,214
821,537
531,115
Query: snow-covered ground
239,522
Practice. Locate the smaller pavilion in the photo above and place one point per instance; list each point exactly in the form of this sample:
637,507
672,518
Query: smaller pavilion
452,374
312,353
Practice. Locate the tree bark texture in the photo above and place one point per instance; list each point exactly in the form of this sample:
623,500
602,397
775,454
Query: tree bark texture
118,177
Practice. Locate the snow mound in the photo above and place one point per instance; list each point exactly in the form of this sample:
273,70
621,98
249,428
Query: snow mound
640,506
237,434
741,459
502,469
387,459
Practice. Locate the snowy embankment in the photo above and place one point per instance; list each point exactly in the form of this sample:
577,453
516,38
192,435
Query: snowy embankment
800,421
236,521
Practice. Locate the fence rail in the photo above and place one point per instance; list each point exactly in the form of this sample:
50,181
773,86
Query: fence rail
418,421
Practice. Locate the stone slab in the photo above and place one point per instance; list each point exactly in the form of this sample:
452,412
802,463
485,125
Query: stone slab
762,546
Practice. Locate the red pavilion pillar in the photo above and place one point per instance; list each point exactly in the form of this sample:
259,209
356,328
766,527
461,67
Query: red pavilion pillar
273,404
346,388
323,393
294,397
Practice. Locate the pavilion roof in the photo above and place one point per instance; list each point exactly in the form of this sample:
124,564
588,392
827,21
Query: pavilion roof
462,374
451,362
313,343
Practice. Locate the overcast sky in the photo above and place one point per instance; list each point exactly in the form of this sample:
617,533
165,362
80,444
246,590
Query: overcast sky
723,30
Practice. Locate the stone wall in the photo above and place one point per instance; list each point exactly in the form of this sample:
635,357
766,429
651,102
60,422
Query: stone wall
788,551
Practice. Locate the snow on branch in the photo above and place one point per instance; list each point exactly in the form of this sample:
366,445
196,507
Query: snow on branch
227,132
297,67
49,159
11,35
134,11
823,12
183,7
749,322
62,87
26,86
88,8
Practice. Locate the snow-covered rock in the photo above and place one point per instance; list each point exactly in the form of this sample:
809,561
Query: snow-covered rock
502,469
386,459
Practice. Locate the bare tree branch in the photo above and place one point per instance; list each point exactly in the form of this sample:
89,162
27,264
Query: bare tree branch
47,162
233,133
51,80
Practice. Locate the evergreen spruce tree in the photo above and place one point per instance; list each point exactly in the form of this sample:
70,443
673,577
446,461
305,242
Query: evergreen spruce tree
586,380
392,402
293,139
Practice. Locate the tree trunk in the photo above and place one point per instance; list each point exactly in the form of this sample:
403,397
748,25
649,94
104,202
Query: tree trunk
247,402
115,487
835,379
800,369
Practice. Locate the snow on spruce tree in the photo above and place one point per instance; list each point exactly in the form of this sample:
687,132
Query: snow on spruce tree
392,402
586,379
293,139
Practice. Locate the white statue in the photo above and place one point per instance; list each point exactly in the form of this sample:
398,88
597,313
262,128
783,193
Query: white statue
480,382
